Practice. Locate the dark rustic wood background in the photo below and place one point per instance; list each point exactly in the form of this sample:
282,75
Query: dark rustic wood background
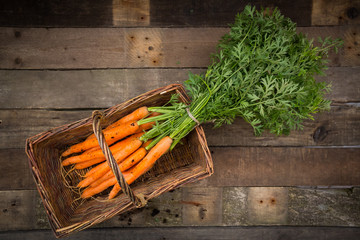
60,60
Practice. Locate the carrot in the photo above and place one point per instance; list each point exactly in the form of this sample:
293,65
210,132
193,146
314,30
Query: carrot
94,153
91,191
129,145
118,155
132,117
132,174
123,166
89,163
111,136
83,157
146,164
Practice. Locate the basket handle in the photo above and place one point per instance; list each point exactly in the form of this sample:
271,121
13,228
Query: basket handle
138,200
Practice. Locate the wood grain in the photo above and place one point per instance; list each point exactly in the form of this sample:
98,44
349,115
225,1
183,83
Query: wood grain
18,210
277,166
243,166
79,48
220,12
110,13
216,207
290,206
344,83
267,205
15,170
333,12
131,13
202,206
320,207
33,13
105,88
94,88
28,123
338,127
351,45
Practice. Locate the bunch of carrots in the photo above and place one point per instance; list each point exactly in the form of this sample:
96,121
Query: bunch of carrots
133,156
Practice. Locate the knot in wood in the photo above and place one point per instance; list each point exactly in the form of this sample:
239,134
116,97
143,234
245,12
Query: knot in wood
352,13
320,134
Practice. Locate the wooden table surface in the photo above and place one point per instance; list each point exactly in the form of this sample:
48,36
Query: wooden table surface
60,60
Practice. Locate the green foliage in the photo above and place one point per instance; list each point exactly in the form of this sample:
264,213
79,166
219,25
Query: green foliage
263,72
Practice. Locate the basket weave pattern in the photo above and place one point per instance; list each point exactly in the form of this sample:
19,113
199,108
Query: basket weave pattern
188,162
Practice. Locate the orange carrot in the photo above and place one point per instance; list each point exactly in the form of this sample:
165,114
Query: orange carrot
132,117
111,136
123,166
132,174
94,153
89,163
146,164
91,191
134,137
130,145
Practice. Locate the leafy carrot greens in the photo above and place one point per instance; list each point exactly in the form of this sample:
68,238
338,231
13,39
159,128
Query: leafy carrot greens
263,72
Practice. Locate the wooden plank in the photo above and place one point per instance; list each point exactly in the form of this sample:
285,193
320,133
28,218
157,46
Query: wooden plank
161,211
333,12
22,210
202,206
272,166
15,170
109,13
105,88
344,83
18,210
65,48
199,233
131,13
320,207
74,13
242,166
267,205
235,209
352,47
220,13
31,123
94,88
291,206
338,127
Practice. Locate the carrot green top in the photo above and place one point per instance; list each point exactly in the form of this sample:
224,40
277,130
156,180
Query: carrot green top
263,72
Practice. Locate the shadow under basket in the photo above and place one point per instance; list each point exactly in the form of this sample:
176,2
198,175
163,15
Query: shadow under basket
187,162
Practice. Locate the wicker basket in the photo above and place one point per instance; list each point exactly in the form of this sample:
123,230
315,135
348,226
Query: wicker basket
188,162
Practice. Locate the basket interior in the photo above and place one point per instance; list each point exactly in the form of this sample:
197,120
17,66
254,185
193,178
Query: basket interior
187,162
